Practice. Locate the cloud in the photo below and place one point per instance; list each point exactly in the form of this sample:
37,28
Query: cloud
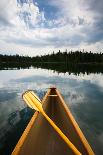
8,10
30,15
52,24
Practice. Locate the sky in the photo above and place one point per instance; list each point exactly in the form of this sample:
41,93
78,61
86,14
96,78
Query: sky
35,27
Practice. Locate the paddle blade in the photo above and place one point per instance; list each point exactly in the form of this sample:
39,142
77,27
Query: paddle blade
32,100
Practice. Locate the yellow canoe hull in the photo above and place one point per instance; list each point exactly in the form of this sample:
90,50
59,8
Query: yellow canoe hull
39,138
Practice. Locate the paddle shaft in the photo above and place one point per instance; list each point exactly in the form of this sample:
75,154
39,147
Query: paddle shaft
61,133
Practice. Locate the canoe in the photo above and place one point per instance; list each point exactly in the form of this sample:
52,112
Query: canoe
39,138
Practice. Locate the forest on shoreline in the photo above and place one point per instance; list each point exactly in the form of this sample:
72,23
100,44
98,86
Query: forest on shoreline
61,62
59,57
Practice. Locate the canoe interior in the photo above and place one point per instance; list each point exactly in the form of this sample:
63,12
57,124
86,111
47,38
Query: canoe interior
42,139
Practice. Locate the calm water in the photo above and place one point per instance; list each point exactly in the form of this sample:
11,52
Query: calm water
83,95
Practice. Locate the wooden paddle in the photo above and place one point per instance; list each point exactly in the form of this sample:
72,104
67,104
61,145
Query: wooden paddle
34,102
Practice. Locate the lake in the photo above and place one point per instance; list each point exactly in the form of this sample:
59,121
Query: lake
83,94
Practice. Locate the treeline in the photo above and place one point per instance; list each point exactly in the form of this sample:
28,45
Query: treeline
61,57
14,58
71,62
71,57
15,62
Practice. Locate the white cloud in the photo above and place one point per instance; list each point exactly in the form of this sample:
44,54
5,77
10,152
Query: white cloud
23,27
8,13
30,14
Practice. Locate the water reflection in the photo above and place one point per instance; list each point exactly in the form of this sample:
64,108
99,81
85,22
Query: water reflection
76,68
72,68
83,95
6,95
8,65
14,126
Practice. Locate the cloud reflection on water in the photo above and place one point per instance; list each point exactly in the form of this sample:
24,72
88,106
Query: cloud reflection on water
83,94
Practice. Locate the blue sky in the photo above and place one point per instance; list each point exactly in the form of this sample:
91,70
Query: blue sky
32,27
